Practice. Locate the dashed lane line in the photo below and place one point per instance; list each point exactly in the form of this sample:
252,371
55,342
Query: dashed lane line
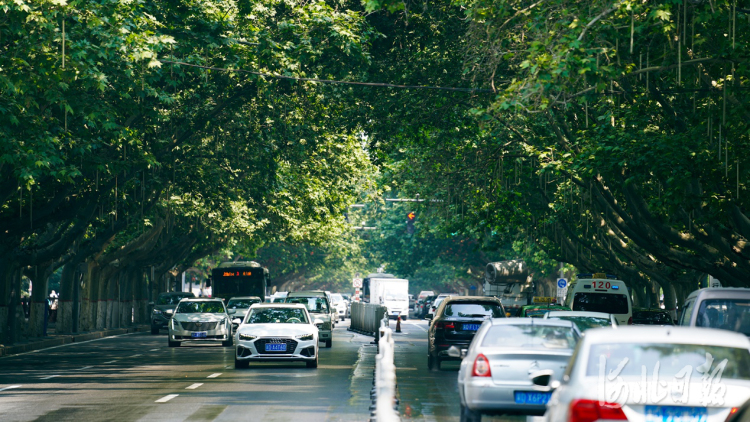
49,377
85,367
166,398
154,350
214,375
112,361
10,387
194,386
135,356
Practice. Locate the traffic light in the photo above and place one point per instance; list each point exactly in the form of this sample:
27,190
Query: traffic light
410,218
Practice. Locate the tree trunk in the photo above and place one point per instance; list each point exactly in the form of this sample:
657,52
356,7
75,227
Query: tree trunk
38,302
65,304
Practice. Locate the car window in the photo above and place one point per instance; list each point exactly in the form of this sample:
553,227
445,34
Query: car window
727,314
172,299
200,307
601,302
530,337
318,305
241,303
687,312
671,358
336,298
276,316
478,310
586,323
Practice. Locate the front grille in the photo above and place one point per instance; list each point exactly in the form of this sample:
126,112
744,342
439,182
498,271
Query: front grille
199,338
260,346
199,326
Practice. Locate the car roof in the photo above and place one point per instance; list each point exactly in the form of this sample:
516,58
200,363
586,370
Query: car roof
202,299
668,334
307,293
244,297
558,313
453,299
278,305
533,321
722,292
176,293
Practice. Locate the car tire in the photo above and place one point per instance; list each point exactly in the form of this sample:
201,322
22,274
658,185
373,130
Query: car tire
154,330
468,415
312,363
240,364
329,343
173,343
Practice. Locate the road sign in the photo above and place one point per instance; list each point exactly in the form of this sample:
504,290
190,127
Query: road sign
562,283
357,283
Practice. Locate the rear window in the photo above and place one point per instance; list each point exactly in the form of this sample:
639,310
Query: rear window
726,314
242,303
530,337
316,305
474,310
601,302
671,358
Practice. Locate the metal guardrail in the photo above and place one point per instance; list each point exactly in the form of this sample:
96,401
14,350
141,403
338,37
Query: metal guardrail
366,318
385,403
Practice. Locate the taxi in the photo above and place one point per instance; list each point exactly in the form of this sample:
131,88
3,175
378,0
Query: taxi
540,306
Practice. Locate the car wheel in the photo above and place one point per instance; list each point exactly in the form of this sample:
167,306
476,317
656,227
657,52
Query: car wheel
468,415
173,343
154,330
240,364
312,363
329,343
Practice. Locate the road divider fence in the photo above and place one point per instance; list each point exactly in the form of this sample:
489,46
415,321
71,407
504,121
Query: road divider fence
366,318
385,404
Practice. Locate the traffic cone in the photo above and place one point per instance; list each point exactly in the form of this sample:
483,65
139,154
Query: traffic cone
398,324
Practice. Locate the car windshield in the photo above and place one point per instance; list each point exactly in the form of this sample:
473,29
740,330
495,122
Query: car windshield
172,299
276,316
316,305
585,323
336,298
727,314
601,302
200,307
652,318
671,358
469,310
396,296
241,303
530,337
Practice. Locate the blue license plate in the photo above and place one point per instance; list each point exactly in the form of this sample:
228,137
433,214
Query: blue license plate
201,334
471,327
676,414
531,397
275,347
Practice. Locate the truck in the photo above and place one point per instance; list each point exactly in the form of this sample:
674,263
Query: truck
511,282
389,291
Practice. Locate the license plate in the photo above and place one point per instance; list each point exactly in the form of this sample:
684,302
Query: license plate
201,334
531,397
275,347
676,414
471,327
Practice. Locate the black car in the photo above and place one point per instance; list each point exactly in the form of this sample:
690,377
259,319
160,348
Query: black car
456,321
652,317
164,307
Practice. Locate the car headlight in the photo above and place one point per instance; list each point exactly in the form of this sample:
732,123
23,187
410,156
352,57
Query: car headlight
243,336
169,311
305,337
157,312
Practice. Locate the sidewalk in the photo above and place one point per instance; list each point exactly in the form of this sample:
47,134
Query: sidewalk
60,339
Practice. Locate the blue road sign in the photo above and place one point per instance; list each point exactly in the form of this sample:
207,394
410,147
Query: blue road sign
562,283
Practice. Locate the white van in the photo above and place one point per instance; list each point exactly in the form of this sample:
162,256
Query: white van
601,293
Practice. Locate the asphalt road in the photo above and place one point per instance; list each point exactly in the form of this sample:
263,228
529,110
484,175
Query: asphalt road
136,377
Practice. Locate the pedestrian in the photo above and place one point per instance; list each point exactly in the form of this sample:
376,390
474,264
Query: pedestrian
53,307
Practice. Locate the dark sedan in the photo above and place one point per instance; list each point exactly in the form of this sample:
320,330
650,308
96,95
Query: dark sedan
456,321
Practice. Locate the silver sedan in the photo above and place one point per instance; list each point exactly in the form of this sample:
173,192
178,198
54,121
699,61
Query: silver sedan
653,374
495,375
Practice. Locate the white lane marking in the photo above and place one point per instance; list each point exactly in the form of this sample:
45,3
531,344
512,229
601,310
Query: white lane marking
418,326
214,375
194,386
154,350
135,356
70,344
9,388
85,367
166,398
49,377
112,361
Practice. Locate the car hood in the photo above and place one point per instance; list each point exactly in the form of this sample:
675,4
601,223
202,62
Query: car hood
323,317
165,307
266,330
202,317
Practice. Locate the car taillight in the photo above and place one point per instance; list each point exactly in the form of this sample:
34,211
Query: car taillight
630,321
446,325
732,411
582,410
481,367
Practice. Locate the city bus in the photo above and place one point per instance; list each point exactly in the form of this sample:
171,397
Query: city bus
243,278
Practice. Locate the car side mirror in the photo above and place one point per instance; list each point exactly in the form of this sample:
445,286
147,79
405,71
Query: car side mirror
543,381
318,323
237,321
231,311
